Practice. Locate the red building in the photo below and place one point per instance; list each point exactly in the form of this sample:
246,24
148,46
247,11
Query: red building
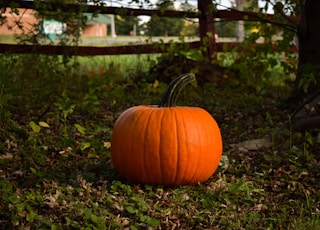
25,18
97,26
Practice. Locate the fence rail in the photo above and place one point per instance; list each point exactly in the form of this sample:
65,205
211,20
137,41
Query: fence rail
114,50
206,26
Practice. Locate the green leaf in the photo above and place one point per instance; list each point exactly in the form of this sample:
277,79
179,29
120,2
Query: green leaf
35,128
46,222
131,210
84,145
5,98
80,129
150,221
44,124
132,227
54,227
99,221
31,216
33,170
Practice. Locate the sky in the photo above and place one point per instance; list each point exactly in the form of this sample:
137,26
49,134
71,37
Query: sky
222,4
125,3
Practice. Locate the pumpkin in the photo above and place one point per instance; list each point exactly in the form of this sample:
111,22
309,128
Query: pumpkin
166,145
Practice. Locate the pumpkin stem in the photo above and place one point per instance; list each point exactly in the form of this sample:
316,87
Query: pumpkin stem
169,98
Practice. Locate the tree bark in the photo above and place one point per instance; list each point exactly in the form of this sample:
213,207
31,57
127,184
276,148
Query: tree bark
308,75
206,27
240,23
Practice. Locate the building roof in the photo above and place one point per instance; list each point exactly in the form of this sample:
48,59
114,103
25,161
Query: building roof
97,18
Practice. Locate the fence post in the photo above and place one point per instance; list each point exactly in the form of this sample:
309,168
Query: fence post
206,27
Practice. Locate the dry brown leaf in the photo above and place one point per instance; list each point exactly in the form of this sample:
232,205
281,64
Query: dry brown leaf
254,144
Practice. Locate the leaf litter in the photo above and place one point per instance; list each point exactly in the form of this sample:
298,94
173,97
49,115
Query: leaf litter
268,178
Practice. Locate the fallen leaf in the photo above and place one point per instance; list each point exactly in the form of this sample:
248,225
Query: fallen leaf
6,156
254,144
107,144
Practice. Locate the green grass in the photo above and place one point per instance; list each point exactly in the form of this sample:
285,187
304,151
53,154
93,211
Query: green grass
109,40
55,163
127,64
7,39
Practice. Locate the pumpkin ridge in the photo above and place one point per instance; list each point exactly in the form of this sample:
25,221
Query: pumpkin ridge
178,149
130,166
145,161
123,159
188,178
161,160
195,162
184,146
206,129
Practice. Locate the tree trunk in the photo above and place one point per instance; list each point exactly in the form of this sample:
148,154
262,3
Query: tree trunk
308,76
240,23
206,27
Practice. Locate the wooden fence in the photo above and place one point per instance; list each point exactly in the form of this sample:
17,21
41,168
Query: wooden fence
206,27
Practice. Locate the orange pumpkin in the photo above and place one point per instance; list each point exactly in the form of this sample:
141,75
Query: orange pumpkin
166,145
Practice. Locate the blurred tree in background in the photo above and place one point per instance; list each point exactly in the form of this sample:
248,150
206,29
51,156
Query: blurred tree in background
127,25
163,26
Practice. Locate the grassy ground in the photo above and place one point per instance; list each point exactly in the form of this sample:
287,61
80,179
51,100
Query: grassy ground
56,171
119,40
